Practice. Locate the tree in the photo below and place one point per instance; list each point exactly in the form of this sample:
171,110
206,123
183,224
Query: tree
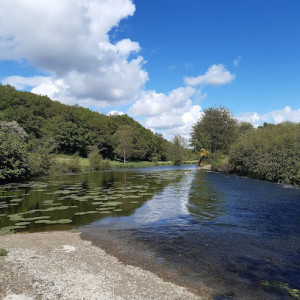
13,128
95,158
177,149
215,131
244,127
123,140
13,158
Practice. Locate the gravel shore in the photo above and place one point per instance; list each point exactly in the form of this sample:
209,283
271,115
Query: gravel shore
61,265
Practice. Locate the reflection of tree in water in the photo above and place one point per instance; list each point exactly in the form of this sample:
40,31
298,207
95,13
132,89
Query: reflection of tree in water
204,201
80,199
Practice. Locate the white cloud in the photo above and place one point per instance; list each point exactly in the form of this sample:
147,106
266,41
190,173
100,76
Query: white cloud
152,103
115,112
275,116
20,82
169,114
250,117
69,41
216,75
236,62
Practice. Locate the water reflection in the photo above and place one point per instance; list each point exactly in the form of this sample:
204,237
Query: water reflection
205,202
166,207
75,200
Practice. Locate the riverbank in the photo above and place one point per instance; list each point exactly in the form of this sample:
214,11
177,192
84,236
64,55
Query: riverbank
61,265
85,166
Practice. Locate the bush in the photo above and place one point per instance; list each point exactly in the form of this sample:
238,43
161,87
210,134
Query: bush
218,162
40,163
95,159
71,165
14,164
269,153
105,164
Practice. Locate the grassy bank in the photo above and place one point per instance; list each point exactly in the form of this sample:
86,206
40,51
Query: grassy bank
74,164
218,162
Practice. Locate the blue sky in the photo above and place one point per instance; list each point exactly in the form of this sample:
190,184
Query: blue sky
161,62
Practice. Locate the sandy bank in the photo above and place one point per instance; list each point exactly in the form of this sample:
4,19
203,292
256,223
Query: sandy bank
60,265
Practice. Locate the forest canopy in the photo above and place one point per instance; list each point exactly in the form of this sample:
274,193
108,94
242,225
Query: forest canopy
33,127
74,129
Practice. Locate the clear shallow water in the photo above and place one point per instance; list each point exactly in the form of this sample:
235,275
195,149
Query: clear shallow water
241,237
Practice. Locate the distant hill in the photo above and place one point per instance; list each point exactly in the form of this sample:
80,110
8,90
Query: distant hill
73,128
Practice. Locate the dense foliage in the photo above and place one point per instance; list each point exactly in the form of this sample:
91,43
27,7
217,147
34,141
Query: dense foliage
35,127
73,128
14,163
269,153
215,131
177,150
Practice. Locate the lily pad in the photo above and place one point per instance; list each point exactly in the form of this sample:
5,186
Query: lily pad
35,218
22,223
86,212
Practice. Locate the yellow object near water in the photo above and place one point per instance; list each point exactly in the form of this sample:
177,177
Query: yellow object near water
203,153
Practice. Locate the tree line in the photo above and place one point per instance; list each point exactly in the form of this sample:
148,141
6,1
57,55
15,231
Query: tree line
270,152
32,127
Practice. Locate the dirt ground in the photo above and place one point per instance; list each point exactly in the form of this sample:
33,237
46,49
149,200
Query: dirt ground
61,265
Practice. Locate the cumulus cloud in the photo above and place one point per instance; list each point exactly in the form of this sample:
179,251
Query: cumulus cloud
170,114
115,113
21,83
69,41
152,103
275,116
216,75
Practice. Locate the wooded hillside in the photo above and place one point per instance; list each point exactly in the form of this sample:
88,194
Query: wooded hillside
74,129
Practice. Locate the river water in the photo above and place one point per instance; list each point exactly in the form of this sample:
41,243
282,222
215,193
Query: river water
238,236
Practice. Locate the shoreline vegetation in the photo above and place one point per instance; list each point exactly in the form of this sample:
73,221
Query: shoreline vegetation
41,137
85,165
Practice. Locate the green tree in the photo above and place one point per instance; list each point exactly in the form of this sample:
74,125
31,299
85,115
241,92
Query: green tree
215,131
244,127
95,158
177,149
69,137
13,128
13,158
269,153
123,140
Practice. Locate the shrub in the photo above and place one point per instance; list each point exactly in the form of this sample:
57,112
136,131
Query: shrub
13,158
95,159
70,165
269,153
105,164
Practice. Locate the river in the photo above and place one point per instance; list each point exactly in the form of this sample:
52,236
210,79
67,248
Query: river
238,236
